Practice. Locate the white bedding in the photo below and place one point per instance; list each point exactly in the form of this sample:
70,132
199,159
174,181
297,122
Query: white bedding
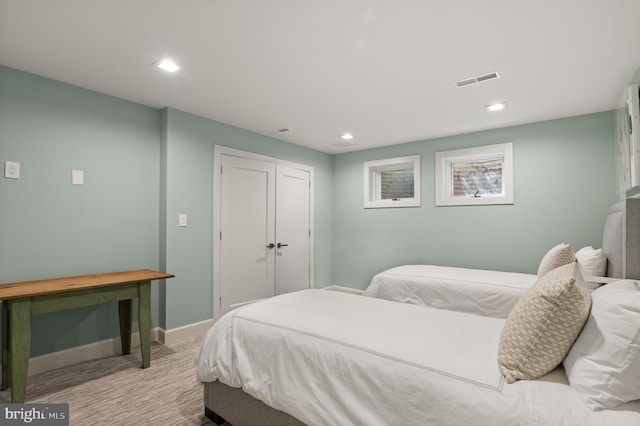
332,358
475,291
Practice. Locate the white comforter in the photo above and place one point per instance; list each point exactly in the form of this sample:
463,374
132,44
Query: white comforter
332,358
476,291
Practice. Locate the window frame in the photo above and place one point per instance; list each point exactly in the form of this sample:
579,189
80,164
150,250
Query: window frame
372,182
444,176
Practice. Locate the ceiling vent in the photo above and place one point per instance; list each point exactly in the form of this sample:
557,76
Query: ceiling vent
342,144
478,79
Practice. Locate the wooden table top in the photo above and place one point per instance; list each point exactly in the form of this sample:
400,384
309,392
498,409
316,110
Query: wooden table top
83,282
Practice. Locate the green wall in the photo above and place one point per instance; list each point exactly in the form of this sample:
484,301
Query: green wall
564,180
143,167
50,228
189,144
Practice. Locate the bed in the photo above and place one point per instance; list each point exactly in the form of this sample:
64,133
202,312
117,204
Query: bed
495,293
482,292
319,357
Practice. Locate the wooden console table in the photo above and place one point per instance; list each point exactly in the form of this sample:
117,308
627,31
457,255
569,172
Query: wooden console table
24,299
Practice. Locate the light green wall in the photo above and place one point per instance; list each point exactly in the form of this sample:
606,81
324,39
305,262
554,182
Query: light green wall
50,228
189,144
143,167
563,183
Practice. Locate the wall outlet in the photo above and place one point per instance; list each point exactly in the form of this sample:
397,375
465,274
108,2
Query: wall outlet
11,170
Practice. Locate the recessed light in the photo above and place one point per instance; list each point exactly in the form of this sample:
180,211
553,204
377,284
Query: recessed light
496,107
168,65
347,136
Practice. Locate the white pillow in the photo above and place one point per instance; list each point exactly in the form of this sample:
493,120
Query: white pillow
603,366
557,256
592,262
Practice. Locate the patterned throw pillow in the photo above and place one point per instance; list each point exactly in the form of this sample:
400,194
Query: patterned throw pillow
556,257
541,328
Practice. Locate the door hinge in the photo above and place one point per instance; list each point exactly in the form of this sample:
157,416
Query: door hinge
220,234
220,168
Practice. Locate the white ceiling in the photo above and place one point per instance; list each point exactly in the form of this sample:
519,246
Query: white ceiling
383,70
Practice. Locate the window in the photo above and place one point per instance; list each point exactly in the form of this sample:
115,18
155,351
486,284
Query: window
393,182
482,175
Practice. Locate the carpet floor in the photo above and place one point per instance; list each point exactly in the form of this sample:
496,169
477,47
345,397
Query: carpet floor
116,391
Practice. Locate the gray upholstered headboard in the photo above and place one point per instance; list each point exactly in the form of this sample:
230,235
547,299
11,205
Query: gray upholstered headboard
621,239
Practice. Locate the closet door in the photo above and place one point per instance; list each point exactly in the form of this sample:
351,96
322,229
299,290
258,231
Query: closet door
265,231
247,214
293,232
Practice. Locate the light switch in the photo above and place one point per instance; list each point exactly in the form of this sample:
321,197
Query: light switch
182,220
77,177
11,170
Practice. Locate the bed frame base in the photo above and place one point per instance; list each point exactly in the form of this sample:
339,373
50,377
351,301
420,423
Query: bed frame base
213,416
224,403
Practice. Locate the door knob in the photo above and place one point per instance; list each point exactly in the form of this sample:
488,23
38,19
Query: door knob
282,245
271,245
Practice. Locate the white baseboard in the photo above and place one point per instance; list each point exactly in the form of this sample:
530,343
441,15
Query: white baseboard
168,337
344,289
111,347
97,350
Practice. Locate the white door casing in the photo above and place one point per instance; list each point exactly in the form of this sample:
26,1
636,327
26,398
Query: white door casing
242,230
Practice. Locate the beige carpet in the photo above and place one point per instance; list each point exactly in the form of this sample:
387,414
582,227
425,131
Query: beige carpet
116,391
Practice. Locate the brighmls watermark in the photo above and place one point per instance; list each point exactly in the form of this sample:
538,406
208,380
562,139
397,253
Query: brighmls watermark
34,414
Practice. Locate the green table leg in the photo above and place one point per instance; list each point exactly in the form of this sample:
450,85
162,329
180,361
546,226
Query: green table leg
6,353
125,313
20,344
144,321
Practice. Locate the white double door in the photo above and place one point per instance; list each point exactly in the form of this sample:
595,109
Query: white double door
265,233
